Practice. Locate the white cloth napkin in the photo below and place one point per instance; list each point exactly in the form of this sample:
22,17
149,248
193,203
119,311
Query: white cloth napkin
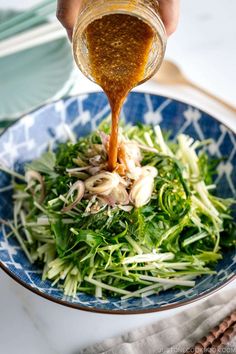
175,334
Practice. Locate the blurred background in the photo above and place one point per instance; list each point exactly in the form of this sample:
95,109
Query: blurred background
203,47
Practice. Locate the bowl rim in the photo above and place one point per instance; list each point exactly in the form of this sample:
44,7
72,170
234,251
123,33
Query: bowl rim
120,311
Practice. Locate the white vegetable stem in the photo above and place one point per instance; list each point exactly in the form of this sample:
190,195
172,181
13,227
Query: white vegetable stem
154,288
189,156
106,286
175,281
134,244
149,257
160,141
12,173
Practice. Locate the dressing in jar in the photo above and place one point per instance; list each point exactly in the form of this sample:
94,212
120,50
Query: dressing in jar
118,44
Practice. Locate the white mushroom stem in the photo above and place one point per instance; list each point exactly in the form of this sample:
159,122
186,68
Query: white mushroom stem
35,176
76,187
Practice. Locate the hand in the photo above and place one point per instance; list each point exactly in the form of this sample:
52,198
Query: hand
169,11
67,12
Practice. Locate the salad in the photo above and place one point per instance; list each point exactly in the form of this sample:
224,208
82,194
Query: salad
151,224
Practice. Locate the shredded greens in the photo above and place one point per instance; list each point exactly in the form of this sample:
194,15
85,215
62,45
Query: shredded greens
142,229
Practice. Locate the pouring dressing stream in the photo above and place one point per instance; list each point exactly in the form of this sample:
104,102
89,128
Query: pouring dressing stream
118,48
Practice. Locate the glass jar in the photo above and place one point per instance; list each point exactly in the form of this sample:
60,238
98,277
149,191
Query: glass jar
146,10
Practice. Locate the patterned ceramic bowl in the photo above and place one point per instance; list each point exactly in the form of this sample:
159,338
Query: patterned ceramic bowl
29,137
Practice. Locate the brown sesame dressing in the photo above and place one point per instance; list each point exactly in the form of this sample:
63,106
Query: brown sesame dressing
118,46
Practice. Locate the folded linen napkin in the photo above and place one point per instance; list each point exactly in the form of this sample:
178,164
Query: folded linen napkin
175,334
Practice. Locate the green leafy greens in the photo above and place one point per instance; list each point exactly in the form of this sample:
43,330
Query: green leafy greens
101,246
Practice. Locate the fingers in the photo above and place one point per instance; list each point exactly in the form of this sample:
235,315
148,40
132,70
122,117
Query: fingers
67,12
169,11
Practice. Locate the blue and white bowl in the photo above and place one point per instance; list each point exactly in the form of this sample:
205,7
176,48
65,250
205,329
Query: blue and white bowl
30,136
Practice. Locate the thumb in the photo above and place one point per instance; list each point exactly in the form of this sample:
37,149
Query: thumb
169,11
67,12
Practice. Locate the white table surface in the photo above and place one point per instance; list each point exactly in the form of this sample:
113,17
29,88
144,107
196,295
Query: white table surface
205,48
